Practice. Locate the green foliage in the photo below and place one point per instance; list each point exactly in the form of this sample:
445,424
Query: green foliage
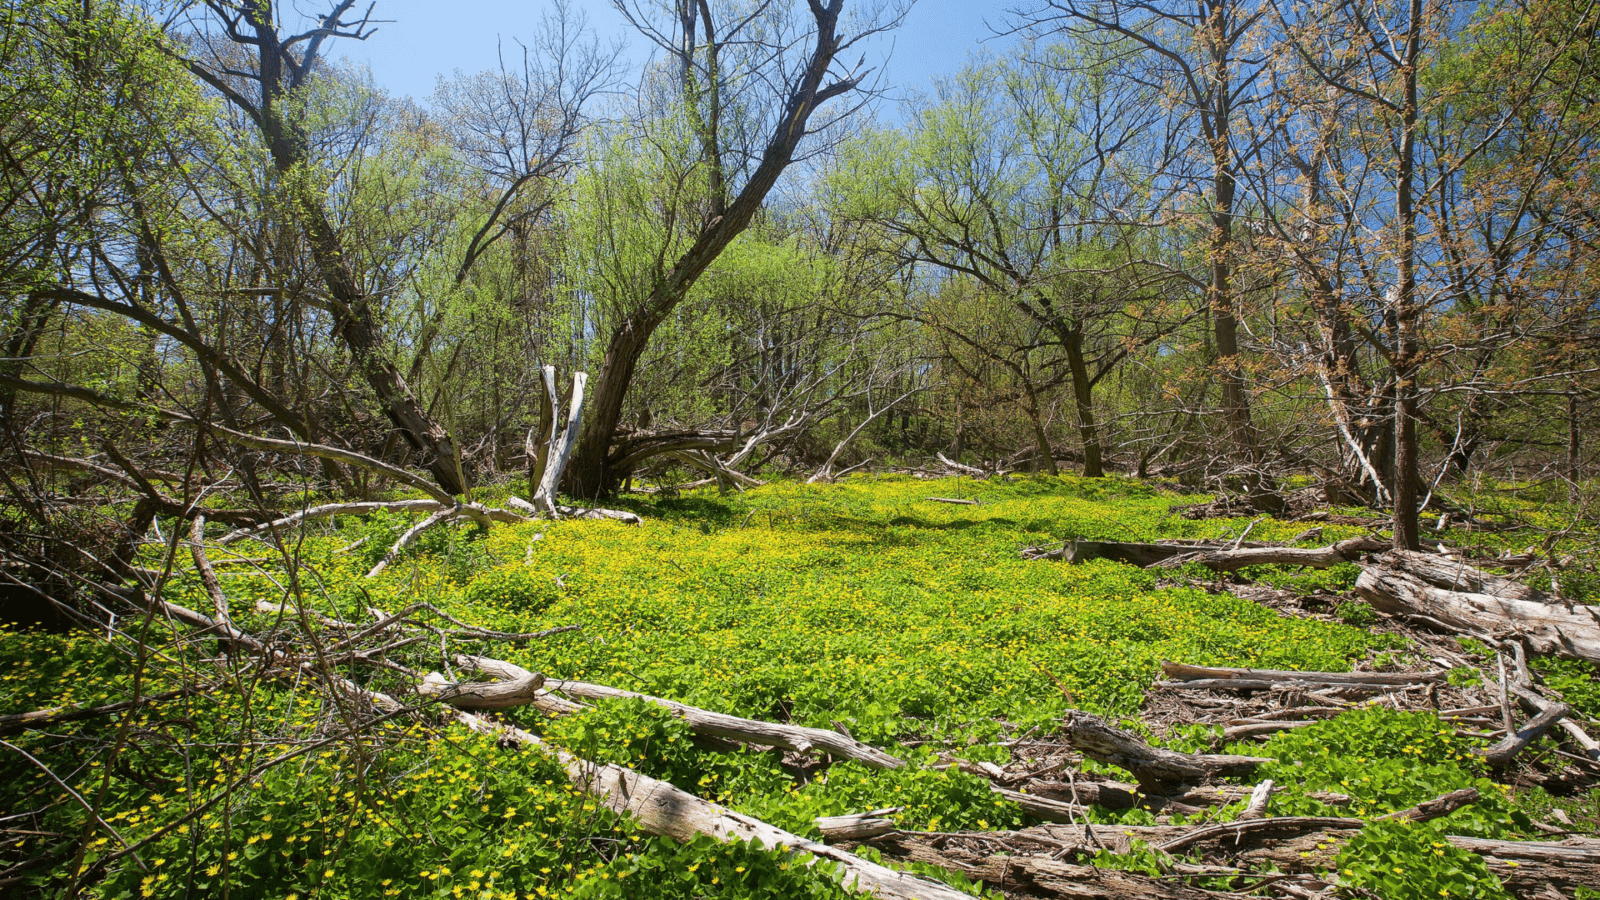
1385,760
1357,612
1402,860
704,868
637,734
858,603
1577,681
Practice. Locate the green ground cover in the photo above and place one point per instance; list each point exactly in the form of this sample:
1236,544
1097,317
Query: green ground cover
913,624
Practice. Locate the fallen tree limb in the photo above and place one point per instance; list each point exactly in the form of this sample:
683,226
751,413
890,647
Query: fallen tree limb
575,512
328,510
49,718
1257,729
1505,750
753,731
411,534
964,469
1527,868
202,565
1157,770
323,451
1287,825
498,694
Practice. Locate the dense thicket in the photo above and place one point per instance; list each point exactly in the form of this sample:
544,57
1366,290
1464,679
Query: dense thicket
1231,241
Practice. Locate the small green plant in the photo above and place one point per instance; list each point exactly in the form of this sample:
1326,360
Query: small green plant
1357,613
1402,860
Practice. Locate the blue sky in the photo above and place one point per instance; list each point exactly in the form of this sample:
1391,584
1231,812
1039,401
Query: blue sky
429,38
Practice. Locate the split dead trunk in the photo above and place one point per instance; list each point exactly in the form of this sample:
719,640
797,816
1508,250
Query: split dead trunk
1401,584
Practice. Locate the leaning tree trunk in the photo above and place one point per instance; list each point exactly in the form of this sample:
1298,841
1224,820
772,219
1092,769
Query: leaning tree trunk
590,474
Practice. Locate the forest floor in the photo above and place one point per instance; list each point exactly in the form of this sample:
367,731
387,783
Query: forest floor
910,624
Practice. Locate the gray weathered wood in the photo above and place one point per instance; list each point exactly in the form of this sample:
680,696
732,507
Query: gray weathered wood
1572,632
1158,771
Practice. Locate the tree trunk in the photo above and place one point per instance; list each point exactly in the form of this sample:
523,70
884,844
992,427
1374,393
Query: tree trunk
1407,312
1082,395
1041,438
590,473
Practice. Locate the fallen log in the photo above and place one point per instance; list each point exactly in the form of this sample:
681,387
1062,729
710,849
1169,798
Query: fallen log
1221,556
499,694
857,826
1042,875
1454,575
1547,628
1316,557
1185,672
964,469
703,722
1157,770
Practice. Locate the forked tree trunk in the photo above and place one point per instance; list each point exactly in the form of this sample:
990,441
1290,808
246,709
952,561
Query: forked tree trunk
590,473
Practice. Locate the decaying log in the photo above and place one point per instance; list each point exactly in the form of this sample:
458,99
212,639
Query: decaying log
1085,793
1041,875
1133,553
1224,679
1317,557
1257,807
1547,628
1221,556
857,826
661,809
1157,770
1526,868
497,694
1187,672
1455,575
956,500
